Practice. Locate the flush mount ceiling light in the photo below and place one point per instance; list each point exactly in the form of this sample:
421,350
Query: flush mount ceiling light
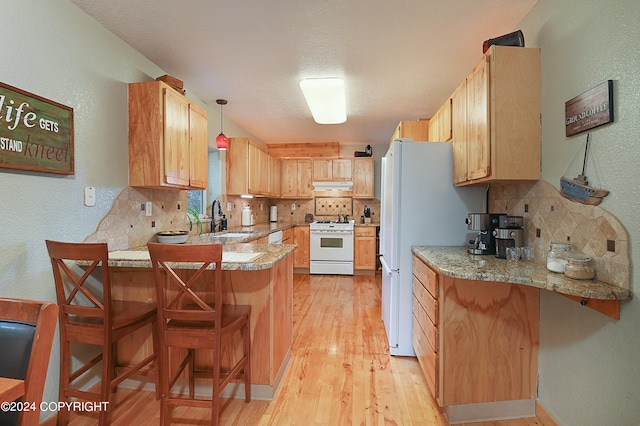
325,97
221,141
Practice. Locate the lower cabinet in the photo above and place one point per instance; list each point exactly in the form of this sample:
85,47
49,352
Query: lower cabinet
287,236
477,344
301,255
364,256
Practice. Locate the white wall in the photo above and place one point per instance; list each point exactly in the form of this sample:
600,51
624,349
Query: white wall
589,364
53,49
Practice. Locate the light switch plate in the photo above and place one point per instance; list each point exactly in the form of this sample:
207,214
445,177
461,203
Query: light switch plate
89,196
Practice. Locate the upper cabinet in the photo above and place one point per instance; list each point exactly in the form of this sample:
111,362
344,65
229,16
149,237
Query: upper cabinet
496,118
440,124
363,177
168,139
275,177
247,168
332,169
297,178
417,130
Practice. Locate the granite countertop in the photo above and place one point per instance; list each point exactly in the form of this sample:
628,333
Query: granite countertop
458,263
235,256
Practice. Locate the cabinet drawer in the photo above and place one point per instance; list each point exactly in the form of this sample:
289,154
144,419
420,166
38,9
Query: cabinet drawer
426,276
428,328
429,304
364,231
427,358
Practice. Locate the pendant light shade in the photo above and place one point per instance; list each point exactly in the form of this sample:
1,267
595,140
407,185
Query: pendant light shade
221,141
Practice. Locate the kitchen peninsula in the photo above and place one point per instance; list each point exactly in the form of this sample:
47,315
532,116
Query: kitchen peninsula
260,275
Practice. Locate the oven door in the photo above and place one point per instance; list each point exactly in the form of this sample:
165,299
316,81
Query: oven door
331,245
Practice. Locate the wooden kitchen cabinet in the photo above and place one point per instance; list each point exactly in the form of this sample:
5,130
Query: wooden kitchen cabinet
364,256
301,237
247,168
168,138
274,178
297,180
363,177
459,132
287,236
501,141
418,130
332,169
476,342
440,124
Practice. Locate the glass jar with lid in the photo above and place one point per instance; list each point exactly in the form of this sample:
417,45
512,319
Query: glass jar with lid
557,256
579,267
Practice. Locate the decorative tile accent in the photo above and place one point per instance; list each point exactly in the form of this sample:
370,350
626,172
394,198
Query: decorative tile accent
551,217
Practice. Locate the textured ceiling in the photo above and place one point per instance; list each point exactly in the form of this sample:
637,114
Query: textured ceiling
400,59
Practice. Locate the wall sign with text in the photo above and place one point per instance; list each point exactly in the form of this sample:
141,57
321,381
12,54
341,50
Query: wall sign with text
36,134
591,109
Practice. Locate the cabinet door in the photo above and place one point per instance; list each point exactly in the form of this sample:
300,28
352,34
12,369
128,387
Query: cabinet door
322,169
237,161
275,176
341,169
305,179
301,255
363,177
459,132
364,248
478,131
199,147
289,179
176,138
444,122
258,170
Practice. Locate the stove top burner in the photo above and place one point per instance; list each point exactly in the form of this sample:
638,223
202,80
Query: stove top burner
326,221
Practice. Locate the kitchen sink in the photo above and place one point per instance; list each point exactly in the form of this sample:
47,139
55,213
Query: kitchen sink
233,235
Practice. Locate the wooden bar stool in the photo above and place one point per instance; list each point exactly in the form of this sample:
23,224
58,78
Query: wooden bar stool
27,328
89,315
190,318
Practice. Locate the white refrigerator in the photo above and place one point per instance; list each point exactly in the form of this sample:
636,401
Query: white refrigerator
420,206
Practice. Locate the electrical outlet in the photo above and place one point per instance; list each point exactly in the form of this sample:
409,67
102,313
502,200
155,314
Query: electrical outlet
148,208
229,207
293,206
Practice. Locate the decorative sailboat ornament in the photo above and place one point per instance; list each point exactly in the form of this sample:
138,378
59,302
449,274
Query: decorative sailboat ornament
578,189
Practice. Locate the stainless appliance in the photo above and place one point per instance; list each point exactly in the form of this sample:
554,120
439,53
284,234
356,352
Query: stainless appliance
420,206
509,233
484,224
331,247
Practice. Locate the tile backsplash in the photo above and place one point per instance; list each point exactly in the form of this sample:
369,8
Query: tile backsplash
548,216
127,225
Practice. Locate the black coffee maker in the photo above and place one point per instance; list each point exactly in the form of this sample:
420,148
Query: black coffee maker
484,224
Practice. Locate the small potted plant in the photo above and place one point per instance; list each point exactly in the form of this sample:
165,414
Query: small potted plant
194,217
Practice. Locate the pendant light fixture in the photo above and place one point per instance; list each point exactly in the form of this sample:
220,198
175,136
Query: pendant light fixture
221,141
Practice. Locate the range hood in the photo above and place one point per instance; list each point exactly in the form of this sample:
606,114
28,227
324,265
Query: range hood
332,189
333,186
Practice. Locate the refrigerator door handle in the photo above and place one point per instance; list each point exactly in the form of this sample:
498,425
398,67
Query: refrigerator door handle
386,266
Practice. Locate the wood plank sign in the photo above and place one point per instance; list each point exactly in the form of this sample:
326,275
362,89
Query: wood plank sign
36,134
591,109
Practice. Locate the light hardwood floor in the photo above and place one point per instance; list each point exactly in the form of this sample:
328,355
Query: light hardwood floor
340,373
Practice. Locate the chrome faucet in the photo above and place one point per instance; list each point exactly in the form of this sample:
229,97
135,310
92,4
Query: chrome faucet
222,224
